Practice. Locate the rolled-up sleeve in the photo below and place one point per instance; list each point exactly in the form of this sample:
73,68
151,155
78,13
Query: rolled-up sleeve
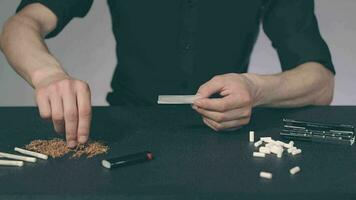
65,10
293,29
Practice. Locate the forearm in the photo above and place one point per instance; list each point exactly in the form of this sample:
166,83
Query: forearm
23,45
308,84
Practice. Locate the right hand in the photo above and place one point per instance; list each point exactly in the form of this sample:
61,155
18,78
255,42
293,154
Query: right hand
67,102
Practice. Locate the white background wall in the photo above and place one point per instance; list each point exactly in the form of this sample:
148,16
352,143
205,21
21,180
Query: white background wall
92,58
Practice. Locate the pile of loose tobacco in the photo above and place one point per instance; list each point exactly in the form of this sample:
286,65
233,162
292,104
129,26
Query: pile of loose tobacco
58,148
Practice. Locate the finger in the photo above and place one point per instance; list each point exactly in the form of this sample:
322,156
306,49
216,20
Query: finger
224,116
211,87
219,104
70,117
84,109
57,113
208,124
228,125
44,106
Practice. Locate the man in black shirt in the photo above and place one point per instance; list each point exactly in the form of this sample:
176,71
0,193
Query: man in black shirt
176,47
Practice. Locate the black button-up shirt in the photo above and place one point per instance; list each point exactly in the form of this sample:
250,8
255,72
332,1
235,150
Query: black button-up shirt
174,46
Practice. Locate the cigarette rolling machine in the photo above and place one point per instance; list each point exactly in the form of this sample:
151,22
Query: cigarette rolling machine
320,132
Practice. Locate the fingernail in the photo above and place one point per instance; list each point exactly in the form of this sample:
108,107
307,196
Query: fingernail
71,144
82,139
194,107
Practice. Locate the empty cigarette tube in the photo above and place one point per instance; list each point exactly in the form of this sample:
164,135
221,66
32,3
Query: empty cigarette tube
17,157
266,175
259,154
31,153
252,136
11,163
294,170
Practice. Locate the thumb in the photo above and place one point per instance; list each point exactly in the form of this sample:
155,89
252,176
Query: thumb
211,87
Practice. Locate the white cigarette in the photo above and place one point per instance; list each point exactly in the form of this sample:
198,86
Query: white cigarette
11,163
17,157
177,99
31,153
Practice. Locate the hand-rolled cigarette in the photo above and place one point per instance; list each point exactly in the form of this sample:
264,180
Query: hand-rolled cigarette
31,153
17,157
11,163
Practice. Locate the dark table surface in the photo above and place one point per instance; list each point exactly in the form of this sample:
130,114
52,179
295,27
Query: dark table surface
191,161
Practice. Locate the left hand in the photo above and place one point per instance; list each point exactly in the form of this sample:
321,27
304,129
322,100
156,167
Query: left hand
231,111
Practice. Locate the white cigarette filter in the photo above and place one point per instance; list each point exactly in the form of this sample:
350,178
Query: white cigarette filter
264,150
258,143
269,145
31,153
290,150
177,99
259,154
280,143
279,155
252,136
16,163
17,157
276,149
294,170
266,139
289,145
296,151
266,175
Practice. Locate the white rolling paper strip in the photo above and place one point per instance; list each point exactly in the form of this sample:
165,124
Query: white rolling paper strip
17,157
177,99
11,163
31,153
